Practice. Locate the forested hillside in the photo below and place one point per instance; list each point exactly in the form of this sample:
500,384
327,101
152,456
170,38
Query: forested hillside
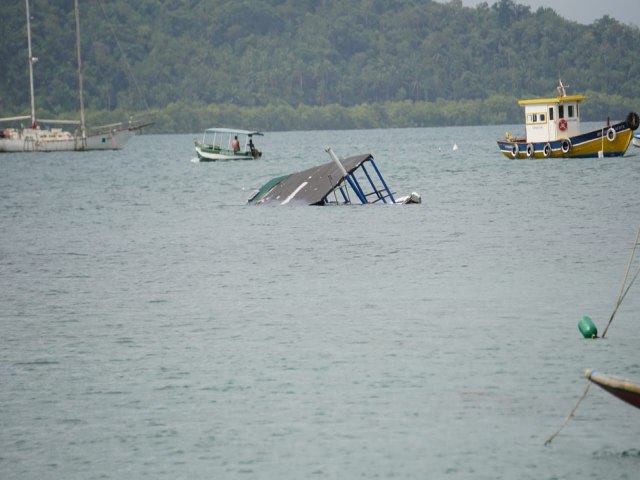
285,64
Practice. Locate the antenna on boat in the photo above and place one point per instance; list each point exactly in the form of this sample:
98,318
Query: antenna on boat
83,129
334,157
562,89
347,176
32,60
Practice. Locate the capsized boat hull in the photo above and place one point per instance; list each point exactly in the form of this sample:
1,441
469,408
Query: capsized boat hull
612,141
625,390
353,180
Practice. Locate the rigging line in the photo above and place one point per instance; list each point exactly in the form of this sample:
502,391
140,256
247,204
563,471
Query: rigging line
620,302
570,416
113,32
623,292
584,394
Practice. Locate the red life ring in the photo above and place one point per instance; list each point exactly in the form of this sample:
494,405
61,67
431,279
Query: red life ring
562,124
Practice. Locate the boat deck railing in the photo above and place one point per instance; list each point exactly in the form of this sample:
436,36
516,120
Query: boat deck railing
132,124
367,187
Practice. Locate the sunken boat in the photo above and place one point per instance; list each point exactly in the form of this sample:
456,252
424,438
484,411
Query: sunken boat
355,180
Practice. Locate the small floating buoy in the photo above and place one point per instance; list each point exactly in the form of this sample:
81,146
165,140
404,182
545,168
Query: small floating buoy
587,328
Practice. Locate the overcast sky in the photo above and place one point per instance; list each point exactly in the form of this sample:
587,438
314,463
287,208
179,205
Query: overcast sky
583,11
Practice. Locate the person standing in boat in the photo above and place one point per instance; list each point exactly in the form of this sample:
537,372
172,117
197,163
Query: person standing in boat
235,144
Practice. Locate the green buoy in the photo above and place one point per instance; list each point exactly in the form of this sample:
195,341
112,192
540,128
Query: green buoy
587,328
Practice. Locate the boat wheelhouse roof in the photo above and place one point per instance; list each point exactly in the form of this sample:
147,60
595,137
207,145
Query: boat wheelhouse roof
552,101
309,186
232,131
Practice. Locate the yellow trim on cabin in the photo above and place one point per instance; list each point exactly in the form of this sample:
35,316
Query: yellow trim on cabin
552,101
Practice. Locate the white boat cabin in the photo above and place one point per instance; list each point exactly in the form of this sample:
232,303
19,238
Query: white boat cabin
549,119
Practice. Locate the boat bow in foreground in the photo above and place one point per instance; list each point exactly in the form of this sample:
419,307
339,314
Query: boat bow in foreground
621,388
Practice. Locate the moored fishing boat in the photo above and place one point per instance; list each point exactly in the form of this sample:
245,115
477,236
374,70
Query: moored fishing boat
227,144
553,130
623,389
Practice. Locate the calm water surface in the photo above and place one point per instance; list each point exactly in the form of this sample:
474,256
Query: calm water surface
154,326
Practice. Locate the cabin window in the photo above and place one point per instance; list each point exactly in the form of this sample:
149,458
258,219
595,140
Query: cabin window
560,111
536,118
570,110
550,113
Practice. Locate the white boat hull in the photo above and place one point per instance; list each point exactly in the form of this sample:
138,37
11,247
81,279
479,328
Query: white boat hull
203,155
57,140
110,141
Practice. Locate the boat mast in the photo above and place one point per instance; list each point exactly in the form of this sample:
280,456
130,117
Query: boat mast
32,60
83,130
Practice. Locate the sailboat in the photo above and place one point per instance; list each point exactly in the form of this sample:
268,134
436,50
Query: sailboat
35,138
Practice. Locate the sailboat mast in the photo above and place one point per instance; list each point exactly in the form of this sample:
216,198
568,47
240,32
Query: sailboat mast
83,130
32,60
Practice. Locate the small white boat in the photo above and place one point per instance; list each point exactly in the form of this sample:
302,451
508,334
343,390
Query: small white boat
636,140
227,144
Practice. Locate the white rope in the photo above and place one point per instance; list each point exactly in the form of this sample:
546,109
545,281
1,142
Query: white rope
621,295
570,416
135,82
623,292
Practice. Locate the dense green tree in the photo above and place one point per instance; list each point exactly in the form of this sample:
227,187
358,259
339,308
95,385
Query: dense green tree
312,64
